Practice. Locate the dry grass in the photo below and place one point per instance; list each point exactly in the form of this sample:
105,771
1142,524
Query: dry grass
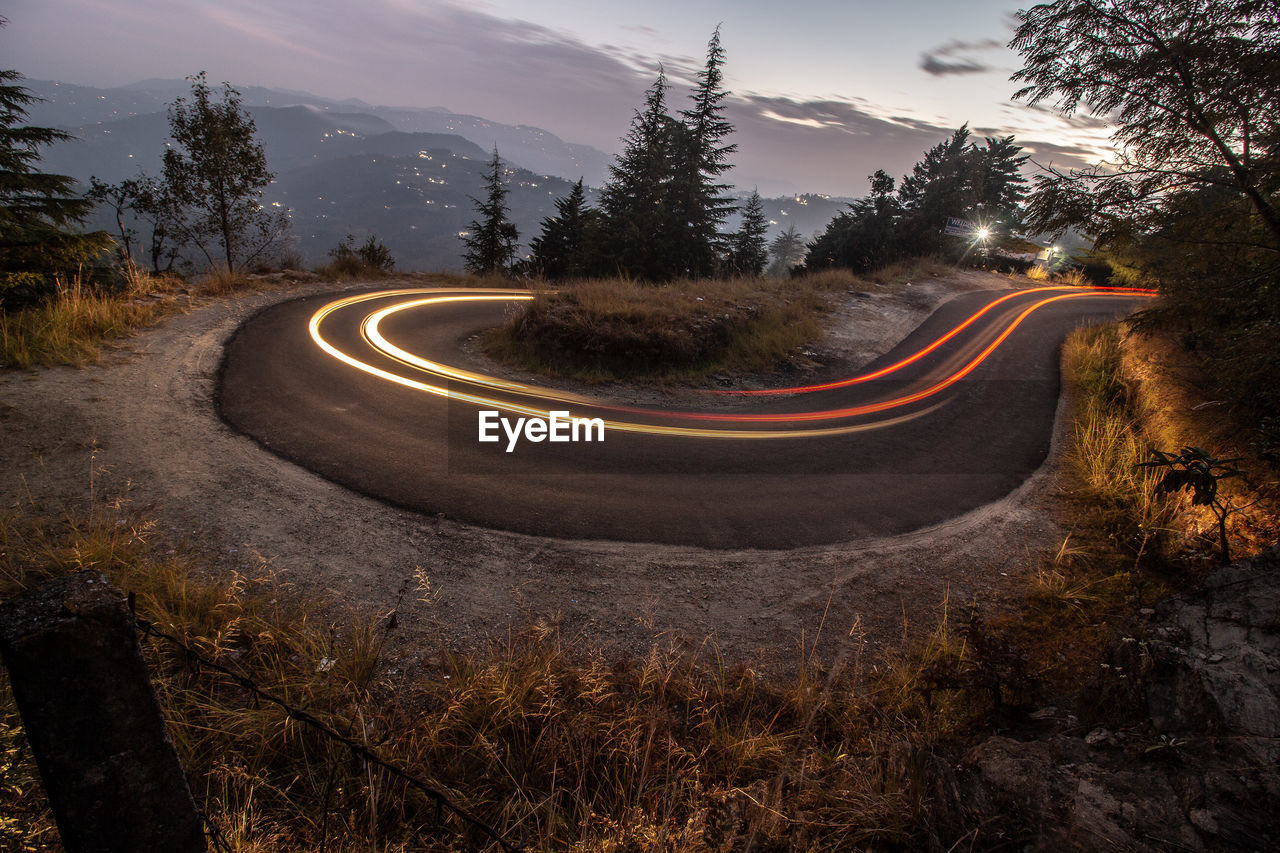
686,330
896,275
220,281
1176,410
1117,557
75,324
1073,277
539,734
352,269
620,329
1112,436
1130,545
610,329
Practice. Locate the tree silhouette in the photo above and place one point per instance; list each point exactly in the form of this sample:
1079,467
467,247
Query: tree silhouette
641,233
1192,88
787,250
215,176
39,212
569,241
702,201
747,253
491,242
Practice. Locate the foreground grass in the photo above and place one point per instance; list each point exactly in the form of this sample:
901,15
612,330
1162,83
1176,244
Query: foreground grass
1130,544
1116,559
541,735
619,329
73,325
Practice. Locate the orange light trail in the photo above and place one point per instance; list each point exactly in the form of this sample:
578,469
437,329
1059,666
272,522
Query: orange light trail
885,371
370,332
622,426
884,405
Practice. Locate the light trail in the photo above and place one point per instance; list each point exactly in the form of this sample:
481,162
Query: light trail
372,335
911,359
622,426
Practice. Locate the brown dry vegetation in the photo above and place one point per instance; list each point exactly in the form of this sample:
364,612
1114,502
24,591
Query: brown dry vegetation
620,329
547,737
72,326
539,734
1130,544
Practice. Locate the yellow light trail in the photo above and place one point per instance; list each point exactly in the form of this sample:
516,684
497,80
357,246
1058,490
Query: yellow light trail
622,426
371,333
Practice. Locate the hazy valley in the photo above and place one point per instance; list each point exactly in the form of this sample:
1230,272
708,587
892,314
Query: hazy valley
406,175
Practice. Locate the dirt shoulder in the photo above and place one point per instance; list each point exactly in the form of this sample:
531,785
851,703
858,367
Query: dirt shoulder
140,432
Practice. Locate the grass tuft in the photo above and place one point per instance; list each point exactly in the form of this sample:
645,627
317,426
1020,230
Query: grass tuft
608,329
74,324
672,750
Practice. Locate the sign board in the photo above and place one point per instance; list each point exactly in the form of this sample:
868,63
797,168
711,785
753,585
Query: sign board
960,227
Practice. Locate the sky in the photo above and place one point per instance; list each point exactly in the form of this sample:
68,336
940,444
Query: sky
824,92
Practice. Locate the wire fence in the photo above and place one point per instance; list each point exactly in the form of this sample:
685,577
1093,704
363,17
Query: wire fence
358,750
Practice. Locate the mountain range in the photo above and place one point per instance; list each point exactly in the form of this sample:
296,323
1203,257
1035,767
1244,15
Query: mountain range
406,175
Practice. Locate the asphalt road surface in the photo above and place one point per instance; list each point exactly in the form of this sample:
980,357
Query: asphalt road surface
374,392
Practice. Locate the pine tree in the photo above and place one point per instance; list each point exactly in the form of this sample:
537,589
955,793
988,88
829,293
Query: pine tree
788,250
640,232
1000,187
39,212
568,245
747,253
215,176
867,236
938,186
491,242
702,200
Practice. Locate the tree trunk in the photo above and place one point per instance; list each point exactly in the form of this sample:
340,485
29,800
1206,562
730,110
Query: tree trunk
93,721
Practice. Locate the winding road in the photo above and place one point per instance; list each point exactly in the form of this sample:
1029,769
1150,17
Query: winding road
373,390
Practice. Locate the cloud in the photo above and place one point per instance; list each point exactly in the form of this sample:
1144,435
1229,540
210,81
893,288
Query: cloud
953,57
931,64
471,59
788,144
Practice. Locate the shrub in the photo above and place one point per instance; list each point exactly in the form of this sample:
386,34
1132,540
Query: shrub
372,258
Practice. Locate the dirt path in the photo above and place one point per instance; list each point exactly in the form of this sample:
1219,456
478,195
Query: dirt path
141,430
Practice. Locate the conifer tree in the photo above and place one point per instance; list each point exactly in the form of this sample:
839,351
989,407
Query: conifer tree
491,242
39,212
702,200
747,253
787,250
1000,187
636,202
569,241
937,188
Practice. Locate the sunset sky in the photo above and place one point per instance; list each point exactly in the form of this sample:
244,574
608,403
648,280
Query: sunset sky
824,91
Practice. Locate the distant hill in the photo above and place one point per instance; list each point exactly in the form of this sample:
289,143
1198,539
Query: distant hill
416,205
404,175
808,212
70,106
292,137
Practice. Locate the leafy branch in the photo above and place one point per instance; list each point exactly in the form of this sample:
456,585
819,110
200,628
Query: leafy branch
1195,471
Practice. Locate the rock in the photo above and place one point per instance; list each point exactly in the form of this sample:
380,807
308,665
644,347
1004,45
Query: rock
1201,678
1098,736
